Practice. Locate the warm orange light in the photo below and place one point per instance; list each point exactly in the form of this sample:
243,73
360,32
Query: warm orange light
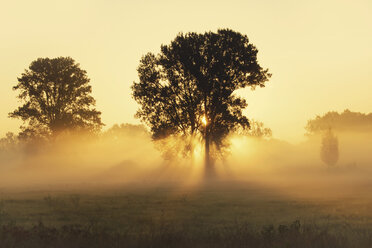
204,120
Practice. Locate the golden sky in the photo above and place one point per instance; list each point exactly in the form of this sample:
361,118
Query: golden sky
319,52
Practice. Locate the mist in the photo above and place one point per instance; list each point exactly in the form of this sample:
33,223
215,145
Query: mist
118,155
127,154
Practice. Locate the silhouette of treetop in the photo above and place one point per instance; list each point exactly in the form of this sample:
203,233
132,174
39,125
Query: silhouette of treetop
56,97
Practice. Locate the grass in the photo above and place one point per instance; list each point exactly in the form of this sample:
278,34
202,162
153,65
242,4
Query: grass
219,215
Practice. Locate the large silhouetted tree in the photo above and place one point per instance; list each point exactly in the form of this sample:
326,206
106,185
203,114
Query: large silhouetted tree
188,88
56,97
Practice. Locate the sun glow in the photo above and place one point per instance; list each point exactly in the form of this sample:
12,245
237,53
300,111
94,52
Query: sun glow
204,120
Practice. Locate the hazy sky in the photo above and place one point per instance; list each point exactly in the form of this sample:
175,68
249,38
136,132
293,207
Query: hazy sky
319,52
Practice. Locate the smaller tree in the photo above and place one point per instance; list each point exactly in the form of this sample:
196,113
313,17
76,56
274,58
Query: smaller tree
346,121
8,142
56,97
329,148
256,129
124,130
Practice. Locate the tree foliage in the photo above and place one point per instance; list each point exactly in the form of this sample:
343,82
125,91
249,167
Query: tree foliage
124,130
195,78
346,121
256,129
56,97
8,142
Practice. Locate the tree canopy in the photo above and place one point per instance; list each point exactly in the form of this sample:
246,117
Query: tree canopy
256,130
56,97
346,121
189,87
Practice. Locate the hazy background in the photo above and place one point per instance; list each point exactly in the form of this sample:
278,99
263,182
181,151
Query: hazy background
319,52
126,154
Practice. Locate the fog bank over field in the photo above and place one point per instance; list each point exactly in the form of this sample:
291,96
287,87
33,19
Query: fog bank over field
121,154
299,169
126,154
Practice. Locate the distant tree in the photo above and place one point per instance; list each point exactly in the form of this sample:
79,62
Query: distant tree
256,129
346,121
56,97
124,130
8,142
188,88
329,148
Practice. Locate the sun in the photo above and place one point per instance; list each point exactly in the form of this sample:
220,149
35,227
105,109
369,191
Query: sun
204,120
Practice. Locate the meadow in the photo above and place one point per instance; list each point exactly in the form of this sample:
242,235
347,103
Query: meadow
218,214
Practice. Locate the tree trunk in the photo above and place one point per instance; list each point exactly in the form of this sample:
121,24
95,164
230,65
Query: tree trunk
209,168
191,147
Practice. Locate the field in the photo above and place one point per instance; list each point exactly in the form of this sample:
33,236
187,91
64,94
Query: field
219,214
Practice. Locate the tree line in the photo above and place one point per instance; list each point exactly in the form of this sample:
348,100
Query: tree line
187,90
347,121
